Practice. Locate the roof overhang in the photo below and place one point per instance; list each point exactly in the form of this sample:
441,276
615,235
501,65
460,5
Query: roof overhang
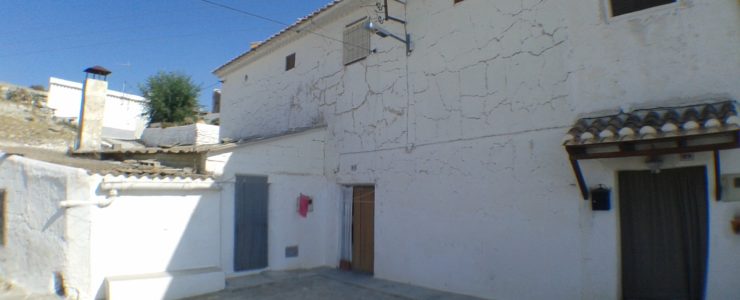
711,126
301,27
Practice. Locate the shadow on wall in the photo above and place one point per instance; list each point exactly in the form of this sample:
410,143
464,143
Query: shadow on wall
159,244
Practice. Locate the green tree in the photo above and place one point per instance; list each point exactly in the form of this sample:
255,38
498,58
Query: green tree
172,98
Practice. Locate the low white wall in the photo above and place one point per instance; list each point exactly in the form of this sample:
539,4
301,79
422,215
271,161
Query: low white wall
147,232
152,238
194,134
123,117
293,165
41,238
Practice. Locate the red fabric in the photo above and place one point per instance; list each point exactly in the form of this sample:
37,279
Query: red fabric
303,202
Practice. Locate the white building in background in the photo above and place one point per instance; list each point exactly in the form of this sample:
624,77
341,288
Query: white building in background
123,116
445,167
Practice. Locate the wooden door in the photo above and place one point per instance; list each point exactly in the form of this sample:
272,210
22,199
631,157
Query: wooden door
663,220
250,228
363,229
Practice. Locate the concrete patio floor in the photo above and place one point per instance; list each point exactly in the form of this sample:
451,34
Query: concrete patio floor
324,284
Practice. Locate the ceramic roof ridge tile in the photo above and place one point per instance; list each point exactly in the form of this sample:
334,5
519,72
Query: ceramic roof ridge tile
649,123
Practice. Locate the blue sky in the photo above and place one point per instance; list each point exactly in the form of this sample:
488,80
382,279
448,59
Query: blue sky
133,38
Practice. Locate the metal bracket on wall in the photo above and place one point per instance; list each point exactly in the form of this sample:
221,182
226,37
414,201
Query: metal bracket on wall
385,9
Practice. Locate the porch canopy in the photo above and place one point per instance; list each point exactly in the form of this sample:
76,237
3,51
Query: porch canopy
709,126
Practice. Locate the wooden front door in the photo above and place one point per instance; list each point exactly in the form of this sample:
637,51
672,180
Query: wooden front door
363,228
250,228
663,220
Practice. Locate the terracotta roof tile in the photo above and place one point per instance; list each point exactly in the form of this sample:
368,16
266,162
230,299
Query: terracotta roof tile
655,123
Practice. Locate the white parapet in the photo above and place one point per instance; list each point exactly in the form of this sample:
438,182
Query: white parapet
194,134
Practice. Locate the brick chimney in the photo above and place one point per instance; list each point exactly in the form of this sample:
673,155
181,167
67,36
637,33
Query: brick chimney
94,92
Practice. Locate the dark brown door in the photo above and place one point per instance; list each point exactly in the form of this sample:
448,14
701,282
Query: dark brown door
663,220
363,228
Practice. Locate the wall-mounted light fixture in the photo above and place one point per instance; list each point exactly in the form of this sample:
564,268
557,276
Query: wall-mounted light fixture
654,163
383,33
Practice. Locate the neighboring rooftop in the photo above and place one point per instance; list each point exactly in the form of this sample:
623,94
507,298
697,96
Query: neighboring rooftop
134,168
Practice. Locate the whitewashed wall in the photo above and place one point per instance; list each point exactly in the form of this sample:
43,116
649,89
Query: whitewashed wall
41,239
194,134
293,165
123,116
149,233
153,241
462,138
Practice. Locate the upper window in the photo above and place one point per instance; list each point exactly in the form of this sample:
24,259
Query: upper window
356,42
456,1
621,7
290,62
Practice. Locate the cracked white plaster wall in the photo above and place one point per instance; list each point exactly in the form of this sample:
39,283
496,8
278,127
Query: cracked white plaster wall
462,137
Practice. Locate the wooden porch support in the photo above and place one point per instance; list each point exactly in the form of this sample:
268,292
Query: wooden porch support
579,177
717,174
629,149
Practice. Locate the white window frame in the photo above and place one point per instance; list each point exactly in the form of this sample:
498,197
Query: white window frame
640,13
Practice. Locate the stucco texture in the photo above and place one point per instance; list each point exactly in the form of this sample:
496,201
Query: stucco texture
462,138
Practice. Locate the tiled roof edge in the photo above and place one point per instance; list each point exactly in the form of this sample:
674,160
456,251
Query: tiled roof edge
270,39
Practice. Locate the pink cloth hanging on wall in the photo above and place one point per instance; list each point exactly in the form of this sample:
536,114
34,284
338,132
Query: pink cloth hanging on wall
303,203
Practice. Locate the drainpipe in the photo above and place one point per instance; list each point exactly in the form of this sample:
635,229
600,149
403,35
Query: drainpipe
159,186
112,194
114,187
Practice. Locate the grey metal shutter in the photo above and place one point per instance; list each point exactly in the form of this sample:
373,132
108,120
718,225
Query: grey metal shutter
250,215
356,42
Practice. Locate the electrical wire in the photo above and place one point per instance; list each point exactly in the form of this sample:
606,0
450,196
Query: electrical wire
268,19
241,11
90,45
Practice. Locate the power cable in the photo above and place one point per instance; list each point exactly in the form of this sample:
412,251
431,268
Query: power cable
254,15
95,32
90,45
97,20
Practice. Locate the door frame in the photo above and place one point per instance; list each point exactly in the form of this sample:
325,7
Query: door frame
707,223
347,236
234,225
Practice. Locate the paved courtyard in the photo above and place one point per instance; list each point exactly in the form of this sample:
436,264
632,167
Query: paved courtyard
324,284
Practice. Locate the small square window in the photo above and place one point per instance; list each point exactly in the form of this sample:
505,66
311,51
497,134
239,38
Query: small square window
621,7
290,62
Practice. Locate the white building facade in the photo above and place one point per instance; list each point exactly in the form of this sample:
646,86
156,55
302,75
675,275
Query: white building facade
461,139
123,116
